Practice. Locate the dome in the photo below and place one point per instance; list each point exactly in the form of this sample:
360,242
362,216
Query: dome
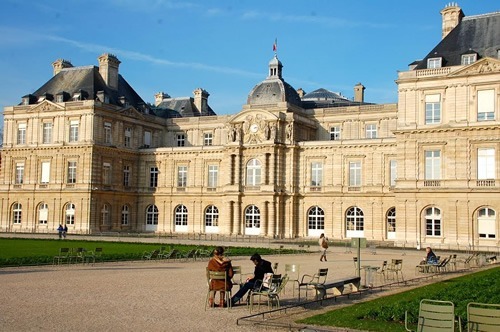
273,89
323,95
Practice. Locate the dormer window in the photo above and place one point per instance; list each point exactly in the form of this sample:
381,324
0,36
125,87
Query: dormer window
77,96
467,59
41,98
26,100
434,63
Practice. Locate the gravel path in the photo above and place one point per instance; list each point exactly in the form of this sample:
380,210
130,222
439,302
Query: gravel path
147,296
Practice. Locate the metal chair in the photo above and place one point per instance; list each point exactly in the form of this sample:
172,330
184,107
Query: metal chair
64,255
483,317
218,275
293,273
396,269
272,293
434,315
312,281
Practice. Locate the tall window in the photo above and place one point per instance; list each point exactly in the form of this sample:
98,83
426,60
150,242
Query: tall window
371,130
207,139
125,215
316,174
73,130
432,109
47,133
70,214
71,171
106,173
253,173
211,216
434,63
182,176
335,133
355,219
105,218
391,220
393,172
21,133
433,165
127,140
181,139
316,218
43,213
126,176
147,139
433,221
153,177
355,174
252,217
486,164
486,105
17,213
107,133
213,175
486,219
19,173
181,216
152,215
45,174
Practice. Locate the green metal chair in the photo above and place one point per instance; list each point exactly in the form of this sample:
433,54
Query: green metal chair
435,316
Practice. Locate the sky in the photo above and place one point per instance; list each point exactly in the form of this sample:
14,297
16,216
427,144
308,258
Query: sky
222,46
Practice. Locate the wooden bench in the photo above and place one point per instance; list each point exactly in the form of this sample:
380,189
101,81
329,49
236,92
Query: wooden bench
338,287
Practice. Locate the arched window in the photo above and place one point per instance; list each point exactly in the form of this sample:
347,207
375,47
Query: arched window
211,216
391,220
152,215
486,219
181,216
253,173
43,213
125,215
105,215
355,220
433,221
17,213
252,220
316,218
70,214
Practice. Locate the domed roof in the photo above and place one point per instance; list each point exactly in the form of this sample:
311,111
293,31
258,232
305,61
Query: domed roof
273,89
323,94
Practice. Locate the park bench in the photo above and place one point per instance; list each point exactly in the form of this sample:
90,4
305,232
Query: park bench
338,287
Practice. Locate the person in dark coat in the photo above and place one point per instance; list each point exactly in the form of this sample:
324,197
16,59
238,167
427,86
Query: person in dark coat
220,263
60,229
261,267
431,256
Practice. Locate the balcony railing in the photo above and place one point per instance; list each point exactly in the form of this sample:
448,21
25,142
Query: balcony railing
432,183
485,183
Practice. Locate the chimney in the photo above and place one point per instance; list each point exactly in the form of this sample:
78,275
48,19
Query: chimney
201,100
359,93
452,15
60,64
159,97
108,68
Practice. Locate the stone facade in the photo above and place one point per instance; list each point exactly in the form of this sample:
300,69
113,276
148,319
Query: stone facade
288,165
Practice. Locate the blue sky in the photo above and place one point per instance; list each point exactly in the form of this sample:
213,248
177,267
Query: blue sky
222,46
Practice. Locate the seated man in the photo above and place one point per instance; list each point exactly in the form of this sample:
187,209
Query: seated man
261,267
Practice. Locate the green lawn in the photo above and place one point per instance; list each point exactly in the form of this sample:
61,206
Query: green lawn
388,313
17,252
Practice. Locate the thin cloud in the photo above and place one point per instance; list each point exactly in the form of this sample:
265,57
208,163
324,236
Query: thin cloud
320,20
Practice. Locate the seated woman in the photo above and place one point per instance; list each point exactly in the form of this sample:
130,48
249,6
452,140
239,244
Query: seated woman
431,257
220,263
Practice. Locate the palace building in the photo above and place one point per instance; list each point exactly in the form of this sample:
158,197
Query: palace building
87,151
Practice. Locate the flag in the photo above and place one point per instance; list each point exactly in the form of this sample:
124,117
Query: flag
275,45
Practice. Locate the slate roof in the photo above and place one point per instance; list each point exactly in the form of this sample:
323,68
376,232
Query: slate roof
479,33
88,80
273,90
180,108
323,98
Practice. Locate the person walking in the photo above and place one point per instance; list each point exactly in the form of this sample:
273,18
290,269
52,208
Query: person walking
323,244
60,229
220,263
65,231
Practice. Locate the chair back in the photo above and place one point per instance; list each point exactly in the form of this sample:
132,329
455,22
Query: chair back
436,315
483,317
216,275
275,267
384,267
320,277
278,285
237,275
293,271
64,251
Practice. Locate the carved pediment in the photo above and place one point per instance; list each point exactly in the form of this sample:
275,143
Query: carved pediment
46,106
132,112
483,66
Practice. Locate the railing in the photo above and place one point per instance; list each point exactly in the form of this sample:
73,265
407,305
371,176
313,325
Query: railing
432,183
354,189
485,183
433,72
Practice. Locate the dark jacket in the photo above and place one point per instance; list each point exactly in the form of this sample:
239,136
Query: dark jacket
260,269
431,258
